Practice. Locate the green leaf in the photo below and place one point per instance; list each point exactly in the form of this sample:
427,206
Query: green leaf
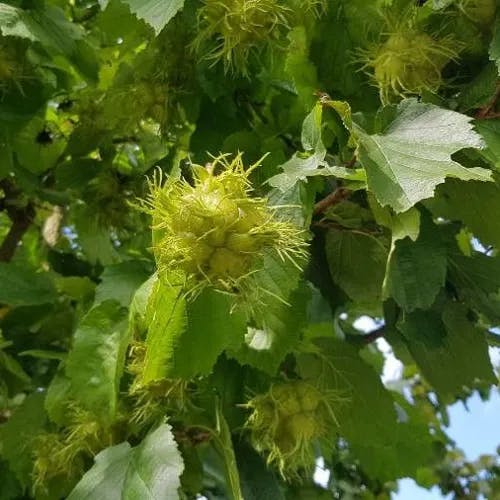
157,13
10,489
406,225
412,156
10,367
494,51
311,130
403,225
137,312
58,395
300,69
211,328
120,281
32,155
349,215
278,320
94,238
490,132
257,481
479,92
296,169
449,350
116,20
224,446
278,332
22,285
46,25
478,271
96,360
149,471
297,204
357,262
386,446
17,435
477,280
416,271
472,203
303,164
312,161
44,354
166,317
333,51
363,391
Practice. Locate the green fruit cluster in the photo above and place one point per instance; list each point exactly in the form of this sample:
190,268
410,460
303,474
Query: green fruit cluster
286,421
232,31
62,455
409,62
121,107
213,230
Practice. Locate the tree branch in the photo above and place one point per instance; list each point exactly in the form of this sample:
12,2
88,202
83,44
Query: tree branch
333,198
21,218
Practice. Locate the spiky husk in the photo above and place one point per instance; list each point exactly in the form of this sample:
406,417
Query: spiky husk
7,63
317,7
144,92
288,420
153,400
15,69
214,232
54,460
62,455
482,12
233,31
408,61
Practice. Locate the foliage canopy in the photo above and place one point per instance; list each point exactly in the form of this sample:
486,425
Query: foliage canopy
199,200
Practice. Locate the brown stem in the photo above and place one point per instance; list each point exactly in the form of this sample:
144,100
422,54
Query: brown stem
333,198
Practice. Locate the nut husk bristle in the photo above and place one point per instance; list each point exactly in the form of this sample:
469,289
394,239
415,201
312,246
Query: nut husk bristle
213,231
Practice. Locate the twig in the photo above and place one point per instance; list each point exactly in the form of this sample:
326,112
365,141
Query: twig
327,224
374,335
324,224
351,162
486,112
365,339
20,224
493,339
490,116
333,198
